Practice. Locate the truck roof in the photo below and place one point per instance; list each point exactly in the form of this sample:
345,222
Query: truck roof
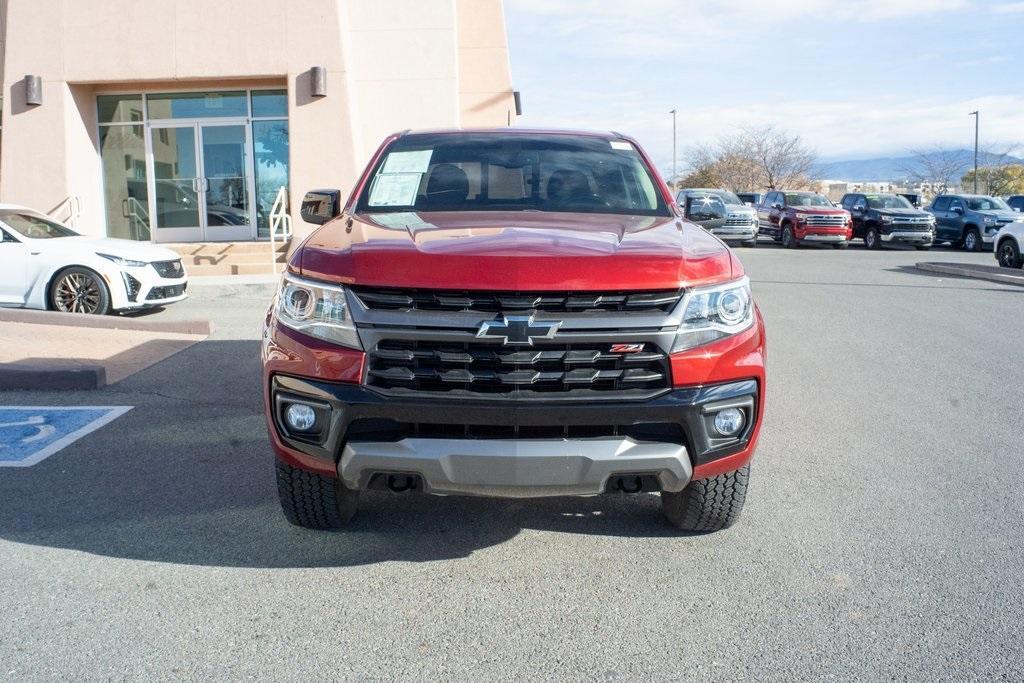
605,135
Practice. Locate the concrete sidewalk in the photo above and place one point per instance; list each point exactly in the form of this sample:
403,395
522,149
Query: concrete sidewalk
1009,276
45,350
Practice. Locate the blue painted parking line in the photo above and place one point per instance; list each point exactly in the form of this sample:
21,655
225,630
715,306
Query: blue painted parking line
30,434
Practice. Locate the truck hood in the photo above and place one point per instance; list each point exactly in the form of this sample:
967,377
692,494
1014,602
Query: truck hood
819,210
740,210
515,250
1001,215
910,213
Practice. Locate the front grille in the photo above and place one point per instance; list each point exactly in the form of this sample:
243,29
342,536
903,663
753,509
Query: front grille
826,221
171,270
914,222
385,429
492,302
740,221
468,369
165,292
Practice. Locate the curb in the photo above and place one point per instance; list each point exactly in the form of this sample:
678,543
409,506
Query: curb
108,322
39,378
993,273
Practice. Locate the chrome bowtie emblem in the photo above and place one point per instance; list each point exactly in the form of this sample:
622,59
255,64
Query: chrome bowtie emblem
518,329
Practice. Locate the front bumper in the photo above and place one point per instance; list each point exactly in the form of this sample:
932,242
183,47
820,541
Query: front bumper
522,450
829,238
733,233
143,287
908,237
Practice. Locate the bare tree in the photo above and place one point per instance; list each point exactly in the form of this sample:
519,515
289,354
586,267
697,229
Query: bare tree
937,167
754,159
1000,171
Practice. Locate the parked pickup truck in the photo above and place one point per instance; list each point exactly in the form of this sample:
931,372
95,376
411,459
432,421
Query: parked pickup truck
511,313
881,219
798,218
970,221
721,213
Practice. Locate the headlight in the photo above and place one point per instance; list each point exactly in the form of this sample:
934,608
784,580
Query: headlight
128,263
988,219
886,219
317,309
800,218
713,313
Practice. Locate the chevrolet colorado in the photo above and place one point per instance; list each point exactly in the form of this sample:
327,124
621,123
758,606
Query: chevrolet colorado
798,218
511,313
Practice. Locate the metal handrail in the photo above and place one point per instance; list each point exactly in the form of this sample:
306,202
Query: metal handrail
137,214
74,211
280,222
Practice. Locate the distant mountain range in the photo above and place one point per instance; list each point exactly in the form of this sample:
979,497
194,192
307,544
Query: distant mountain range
896,168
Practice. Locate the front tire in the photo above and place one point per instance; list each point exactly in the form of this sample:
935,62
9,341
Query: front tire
788,240
709,504
79,290
871,239
314,501
972,240
1009,254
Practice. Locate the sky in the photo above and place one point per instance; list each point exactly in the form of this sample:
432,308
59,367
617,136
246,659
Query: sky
854,78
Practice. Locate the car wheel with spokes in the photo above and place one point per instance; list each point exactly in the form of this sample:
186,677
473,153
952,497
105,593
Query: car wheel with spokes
1009,254
871,240
788,241
972,240
79,290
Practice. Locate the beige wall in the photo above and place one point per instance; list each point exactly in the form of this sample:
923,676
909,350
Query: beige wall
391,65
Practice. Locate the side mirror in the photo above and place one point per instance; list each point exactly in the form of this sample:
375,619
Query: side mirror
777,205
752,203
1017,209
320,206
958,210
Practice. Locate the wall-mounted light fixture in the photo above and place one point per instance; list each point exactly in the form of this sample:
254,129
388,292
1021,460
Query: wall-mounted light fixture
33,90
318,81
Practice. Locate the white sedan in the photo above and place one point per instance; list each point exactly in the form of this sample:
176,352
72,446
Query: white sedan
46,265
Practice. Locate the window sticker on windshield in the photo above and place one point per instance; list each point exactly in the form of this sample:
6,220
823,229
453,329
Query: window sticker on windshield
622,145
408,162
395,189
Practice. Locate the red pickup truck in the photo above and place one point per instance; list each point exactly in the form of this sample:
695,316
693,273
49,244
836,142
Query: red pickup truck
799,218
512,313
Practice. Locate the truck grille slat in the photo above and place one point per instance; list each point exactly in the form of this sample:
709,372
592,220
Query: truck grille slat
826,221
558,302
482,368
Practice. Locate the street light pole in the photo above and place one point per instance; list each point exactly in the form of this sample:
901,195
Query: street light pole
976,117
674,169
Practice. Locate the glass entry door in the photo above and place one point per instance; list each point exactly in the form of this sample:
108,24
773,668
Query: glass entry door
202,182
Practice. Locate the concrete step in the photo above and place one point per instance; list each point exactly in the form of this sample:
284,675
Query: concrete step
232,269
215,248
231,259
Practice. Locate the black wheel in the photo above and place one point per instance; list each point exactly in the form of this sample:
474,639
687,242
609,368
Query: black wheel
79,290
871,239
750,244
708,504
314,501
972,240
1008,254
788,241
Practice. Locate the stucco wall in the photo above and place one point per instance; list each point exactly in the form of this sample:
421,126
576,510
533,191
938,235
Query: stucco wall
391,65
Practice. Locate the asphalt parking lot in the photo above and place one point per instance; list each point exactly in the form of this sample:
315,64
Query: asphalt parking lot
881,539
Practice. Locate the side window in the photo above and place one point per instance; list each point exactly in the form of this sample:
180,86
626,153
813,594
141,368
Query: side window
941,204
4,237
1017,203
771,198
955,203
848,201
861,204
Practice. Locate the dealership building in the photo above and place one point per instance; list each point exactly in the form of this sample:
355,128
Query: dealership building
184,121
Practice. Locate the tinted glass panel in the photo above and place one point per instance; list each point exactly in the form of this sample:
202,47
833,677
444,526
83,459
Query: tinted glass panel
269,103
174,165
270,140
941,204
192,105
35,227
119,108
123,156
529,172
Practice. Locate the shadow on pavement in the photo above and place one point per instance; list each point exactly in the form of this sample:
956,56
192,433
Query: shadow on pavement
187,477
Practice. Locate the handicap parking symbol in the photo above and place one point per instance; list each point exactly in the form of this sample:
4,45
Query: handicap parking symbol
30,434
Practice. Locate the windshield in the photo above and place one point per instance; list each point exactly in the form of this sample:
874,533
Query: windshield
727,197
704,207
986,204
806,199
524,172
35,227
888,201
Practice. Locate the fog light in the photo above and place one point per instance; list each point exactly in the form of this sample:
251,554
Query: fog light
729,422
300,417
